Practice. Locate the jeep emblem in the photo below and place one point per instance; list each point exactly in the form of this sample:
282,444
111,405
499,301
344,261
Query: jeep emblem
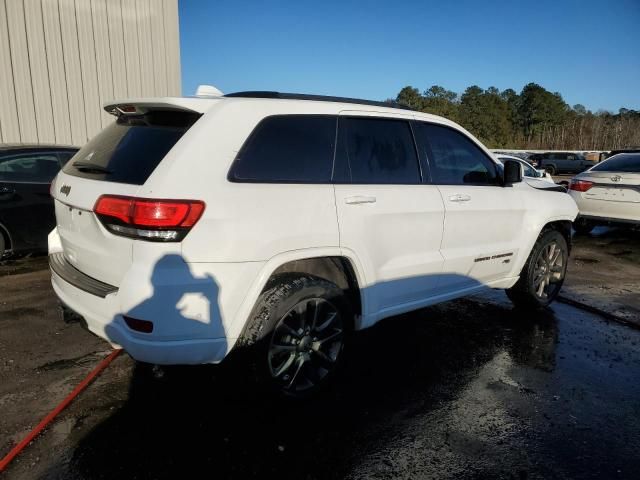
65,189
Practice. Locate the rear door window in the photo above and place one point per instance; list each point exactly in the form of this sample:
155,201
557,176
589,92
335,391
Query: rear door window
130,149
453,158
376,151
287,149
29,168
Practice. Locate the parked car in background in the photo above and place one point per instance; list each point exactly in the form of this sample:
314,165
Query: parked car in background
277,224
621,150
595,157
608,193
534,159
26,208
527,169
563,162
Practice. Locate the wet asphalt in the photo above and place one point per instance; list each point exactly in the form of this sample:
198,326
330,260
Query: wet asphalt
467,389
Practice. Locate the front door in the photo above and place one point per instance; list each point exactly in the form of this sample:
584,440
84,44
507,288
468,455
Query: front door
483,219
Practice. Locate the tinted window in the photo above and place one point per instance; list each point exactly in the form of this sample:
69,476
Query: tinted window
32,167
288,148
65,156
453,158
130,149
376,151
623,162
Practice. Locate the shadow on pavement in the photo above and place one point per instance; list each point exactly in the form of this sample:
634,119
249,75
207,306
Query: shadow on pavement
207,420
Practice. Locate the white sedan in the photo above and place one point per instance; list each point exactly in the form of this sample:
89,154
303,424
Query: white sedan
527,169
608,193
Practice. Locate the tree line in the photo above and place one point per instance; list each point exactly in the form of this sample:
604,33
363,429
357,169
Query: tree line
533,119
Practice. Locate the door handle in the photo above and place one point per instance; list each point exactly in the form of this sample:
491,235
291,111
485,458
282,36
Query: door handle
359,199
458,197
6,190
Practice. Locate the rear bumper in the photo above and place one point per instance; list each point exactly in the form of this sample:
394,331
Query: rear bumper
606,211
75,277
609,220
102,318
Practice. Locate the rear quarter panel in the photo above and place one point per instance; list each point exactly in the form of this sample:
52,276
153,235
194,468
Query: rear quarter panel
242,221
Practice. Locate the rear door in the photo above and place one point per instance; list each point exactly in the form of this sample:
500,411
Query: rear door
387,217
26,209
117,161
483,219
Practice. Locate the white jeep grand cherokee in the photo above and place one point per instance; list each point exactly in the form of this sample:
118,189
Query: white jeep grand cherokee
282,222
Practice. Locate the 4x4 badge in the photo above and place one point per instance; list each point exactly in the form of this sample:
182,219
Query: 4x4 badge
65,189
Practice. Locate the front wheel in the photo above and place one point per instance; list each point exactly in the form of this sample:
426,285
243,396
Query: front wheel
550,169
297,335
543,275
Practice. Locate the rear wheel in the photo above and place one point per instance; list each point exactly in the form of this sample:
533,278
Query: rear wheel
297,334
582,226
543,275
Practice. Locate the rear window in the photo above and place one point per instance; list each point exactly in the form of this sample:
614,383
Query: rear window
130,149
623,162
288,149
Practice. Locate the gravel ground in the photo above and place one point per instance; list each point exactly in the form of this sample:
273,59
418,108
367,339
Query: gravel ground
467,389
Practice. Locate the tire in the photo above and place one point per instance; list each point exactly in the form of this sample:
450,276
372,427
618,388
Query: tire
543,274
550,169
583,227
294,341
2,245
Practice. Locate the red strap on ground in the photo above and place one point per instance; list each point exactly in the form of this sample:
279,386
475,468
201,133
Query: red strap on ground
61,406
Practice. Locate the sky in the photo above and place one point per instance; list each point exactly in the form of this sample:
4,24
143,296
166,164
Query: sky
588,50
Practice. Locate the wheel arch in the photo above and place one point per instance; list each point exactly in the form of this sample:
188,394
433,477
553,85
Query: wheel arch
562,226
8,242
335,269
330,264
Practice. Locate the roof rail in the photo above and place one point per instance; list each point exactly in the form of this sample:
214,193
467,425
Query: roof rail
317,98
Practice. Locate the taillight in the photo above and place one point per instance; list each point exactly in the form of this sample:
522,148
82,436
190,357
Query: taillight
148,219
580,185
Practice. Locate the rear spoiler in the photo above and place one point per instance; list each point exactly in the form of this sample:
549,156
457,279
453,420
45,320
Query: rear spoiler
144,105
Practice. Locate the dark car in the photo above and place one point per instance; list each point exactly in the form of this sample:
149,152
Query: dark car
26,209
621,150
562,162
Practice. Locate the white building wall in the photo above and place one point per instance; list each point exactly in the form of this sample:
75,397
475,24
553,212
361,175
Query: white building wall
61,60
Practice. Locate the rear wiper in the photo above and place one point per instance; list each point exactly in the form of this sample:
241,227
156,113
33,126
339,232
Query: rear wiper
90,167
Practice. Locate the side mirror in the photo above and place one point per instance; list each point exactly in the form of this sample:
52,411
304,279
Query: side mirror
512,172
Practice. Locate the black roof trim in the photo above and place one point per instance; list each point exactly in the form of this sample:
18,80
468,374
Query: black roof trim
35,146
316,98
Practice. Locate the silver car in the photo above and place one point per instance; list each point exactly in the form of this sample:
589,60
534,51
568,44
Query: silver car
608,193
